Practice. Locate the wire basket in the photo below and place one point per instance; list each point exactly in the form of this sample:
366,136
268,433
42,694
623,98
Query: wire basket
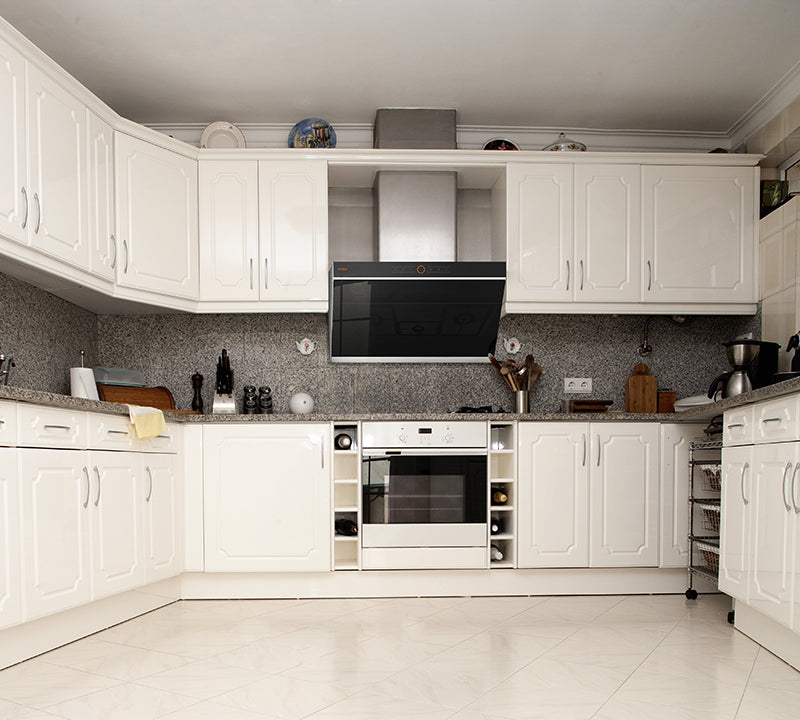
709,559
712,477
710,518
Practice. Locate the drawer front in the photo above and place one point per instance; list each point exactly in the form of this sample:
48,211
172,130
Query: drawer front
737,427
111,432
8,423
166,442
777,420
40,426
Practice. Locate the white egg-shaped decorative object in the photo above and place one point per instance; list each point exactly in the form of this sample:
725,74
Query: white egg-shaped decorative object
301,404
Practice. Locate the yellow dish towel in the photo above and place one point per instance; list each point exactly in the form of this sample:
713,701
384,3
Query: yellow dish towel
147,421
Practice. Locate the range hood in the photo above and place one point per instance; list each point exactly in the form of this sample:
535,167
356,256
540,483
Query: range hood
416,304
414,312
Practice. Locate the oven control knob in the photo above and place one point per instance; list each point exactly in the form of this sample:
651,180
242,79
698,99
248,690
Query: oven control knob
448,438
403,438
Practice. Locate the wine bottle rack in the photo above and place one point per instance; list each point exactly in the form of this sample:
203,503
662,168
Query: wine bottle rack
502,479
346,493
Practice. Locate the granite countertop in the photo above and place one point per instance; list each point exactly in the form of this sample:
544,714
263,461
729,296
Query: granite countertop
697,414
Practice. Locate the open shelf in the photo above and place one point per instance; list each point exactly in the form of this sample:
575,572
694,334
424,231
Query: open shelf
346,492
502,476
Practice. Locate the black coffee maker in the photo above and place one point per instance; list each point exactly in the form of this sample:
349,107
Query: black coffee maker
754,364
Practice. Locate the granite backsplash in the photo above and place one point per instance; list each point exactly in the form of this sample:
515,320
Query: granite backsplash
46,335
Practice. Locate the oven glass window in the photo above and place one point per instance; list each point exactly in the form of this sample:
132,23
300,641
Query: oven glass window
424,489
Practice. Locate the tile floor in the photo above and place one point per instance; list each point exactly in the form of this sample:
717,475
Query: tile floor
559,658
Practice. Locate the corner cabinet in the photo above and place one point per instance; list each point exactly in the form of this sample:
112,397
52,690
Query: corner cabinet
156,219
267,497
699,233
264,234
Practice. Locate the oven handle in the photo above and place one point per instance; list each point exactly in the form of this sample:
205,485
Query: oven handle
385,453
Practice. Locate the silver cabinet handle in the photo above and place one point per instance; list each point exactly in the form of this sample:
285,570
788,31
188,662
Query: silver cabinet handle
581,275
794,475
583,462
97,499
2,422
150,491
598,450
322,450
567,274
58,427
85,503
771,419
118,432
251,273
649,275
38,213
25,216
783,486
735,425
744,470
125,248
164,437
266,273
114,246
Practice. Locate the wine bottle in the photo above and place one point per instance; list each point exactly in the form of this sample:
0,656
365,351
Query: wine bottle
344,526
497,526
499,497
496,553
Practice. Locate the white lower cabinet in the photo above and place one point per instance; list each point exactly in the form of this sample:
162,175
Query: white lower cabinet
588,494
56,564
735,520
267,501
116,509
10,578
163,517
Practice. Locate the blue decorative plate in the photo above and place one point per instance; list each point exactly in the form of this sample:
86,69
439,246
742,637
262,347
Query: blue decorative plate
312,133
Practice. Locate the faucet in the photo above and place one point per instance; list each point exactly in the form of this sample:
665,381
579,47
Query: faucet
6,363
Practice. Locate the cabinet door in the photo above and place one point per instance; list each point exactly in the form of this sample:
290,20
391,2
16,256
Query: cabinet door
14,195
771,531
10,579
57,170
293,228
163,507
156,218
229,258
540,262
116,522
674,520
553,495
736,508
102,244
608,251
699,233
55,530
267,497
623,495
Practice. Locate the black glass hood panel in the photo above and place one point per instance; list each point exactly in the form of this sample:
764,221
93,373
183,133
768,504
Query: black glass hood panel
415,312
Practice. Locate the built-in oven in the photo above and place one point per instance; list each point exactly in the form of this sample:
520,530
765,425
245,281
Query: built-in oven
424,495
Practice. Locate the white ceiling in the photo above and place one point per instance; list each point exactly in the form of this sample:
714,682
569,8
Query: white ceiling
650,65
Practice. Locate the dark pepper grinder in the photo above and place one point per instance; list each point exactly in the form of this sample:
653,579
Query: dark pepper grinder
197,400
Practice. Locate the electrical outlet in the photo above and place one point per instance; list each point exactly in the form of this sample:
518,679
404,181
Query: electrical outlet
577,385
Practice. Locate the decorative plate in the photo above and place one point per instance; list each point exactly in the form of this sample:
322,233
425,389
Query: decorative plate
499,144
223,135
312,133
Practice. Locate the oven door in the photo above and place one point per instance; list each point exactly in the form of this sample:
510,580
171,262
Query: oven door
424,498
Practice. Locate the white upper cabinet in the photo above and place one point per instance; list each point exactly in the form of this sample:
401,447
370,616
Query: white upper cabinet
698,227
540,264
57,170
607,233
102,245
293,230
230,264
156,219
14,203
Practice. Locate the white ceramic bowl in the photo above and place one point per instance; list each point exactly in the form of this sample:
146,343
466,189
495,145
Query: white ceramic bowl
301,404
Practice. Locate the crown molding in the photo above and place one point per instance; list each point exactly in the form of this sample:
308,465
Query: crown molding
473,137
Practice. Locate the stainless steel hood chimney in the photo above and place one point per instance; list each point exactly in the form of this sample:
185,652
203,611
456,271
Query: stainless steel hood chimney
416,304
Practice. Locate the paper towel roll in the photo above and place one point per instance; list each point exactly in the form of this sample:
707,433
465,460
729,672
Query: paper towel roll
81,383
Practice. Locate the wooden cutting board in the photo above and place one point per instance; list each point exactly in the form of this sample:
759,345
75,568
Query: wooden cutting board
641,391
157,397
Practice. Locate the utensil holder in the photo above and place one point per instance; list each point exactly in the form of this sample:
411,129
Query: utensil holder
522,401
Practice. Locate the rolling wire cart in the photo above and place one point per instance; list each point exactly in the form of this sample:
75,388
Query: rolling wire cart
705,485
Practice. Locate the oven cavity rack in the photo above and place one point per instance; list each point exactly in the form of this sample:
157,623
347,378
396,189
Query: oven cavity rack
346,498
502,469
705,484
